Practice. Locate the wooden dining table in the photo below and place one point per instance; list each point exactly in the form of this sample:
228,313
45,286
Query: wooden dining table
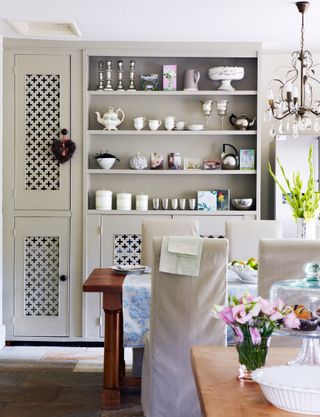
221,394
109,283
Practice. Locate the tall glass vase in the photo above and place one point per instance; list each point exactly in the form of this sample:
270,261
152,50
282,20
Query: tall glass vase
306,229
251,356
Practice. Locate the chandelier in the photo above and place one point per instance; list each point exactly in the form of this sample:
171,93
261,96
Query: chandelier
290,101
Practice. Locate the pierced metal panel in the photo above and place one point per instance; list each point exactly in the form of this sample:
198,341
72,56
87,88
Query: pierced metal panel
41,276
126,249
42,124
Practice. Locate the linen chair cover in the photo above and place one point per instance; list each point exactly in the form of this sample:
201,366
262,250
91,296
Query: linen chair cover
244,236
281,259
180,318
150,229
164,227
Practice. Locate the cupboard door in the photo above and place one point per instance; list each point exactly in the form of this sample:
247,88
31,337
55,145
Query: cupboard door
41,276
42,95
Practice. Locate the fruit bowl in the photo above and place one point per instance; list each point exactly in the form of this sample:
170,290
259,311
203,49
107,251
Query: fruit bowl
291,388
106,163
245,273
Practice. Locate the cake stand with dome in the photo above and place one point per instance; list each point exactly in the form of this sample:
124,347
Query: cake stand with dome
303,292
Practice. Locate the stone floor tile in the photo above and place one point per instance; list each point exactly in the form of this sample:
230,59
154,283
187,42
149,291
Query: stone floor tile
22,353
16,365
11,379
50,410
28,394
83,395
88,366
72,379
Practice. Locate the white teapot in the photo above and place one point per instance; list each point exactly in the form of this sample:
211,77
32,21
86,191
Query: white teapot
110,120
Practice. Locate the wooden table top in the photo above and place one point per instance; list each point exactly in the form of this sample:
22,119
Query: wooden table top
221,394
104,280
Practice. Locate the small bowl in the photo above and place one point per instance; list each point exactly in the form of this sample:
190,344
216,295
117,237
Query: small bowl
106,163
291,388
242,203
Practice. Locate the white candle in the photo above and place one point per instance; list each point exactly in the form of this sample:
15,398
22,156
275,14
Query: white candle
124,201
103,200
142,202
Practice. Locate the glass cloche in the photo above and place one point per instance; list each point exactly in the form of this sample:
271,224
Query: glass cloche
304,296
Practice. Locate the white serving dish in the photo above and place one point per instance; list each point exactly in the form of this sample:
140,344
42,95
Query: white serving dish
195,127
106,163
291,388
245,273
226,75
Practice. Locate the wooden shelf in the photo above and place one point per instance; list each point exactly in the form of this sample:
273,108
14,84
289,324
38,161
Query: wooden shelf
170,172
173,132
174,93
175,212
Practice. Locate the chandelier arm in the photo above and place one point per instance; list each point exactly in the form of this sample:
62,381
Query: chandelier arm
287,113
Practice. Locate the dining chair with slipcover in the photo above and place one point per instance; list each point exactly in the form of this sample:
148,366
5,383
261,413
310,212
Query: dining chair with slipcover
244,236
149,229
180,318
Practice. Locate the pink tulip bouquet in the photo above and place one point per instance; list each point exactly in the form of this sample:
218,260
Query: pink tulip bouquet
253,319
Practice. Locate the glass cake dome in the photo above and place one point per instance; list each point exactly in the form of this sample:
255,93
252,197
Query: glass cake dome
304,296
304,291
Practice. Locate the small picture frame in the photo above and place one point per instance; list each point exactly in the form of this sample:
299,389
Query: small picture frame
149,82
156,161
207,201
174,160
192,163
169,77
211,164
223,200
247,158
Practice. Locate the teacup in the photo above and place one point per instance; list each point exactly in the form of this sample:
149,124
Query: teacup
154,124
169,122
180,125
139,123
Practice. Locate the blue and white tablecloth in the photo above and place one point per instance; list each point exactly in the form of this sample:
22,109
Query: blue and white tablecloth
136,295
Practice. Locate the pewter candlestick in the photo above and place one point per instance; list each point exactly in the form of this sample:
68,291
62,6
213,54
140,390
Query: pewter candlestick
108,86
100,76
120,76
132,86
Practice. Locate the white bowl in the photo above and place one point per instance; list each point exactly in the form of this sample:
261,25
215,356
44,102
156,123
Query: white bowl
291,388
226,75
106,163
195,127
245,273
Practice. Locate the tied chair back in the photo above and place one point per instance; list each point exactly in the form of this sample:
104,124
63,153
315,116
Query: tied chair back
180,318
164,227
244,236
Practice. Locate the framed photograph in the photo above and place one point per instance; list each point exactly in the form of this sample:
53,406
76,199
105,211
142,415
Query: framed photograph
174,160
223,199
169,77
156,161
211,164
192,163
149,82
247,159
207,201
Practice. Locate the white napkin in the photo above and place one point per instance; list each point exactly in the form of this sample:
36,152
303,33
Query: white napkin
181,255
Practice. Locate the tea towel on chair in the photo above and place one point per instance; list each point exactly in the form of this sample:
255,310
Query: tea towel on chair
181,255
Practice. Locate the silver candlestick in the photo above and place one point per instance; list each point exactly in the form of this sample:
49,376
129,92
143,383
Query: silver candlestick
132,85
100,76
108,86
120,76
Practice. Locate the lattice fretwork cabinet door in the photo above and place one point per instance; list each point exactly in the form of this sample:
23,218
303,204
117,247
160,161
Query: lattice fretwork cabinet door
42,95
41,276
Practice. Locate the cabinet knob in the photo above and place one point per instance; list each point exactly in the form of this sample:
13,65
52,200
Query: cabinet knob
63,277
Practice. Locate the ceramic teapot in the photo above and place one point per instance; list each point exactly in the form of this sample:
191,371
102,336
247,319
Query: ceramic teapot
110,119
242,123
229,160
